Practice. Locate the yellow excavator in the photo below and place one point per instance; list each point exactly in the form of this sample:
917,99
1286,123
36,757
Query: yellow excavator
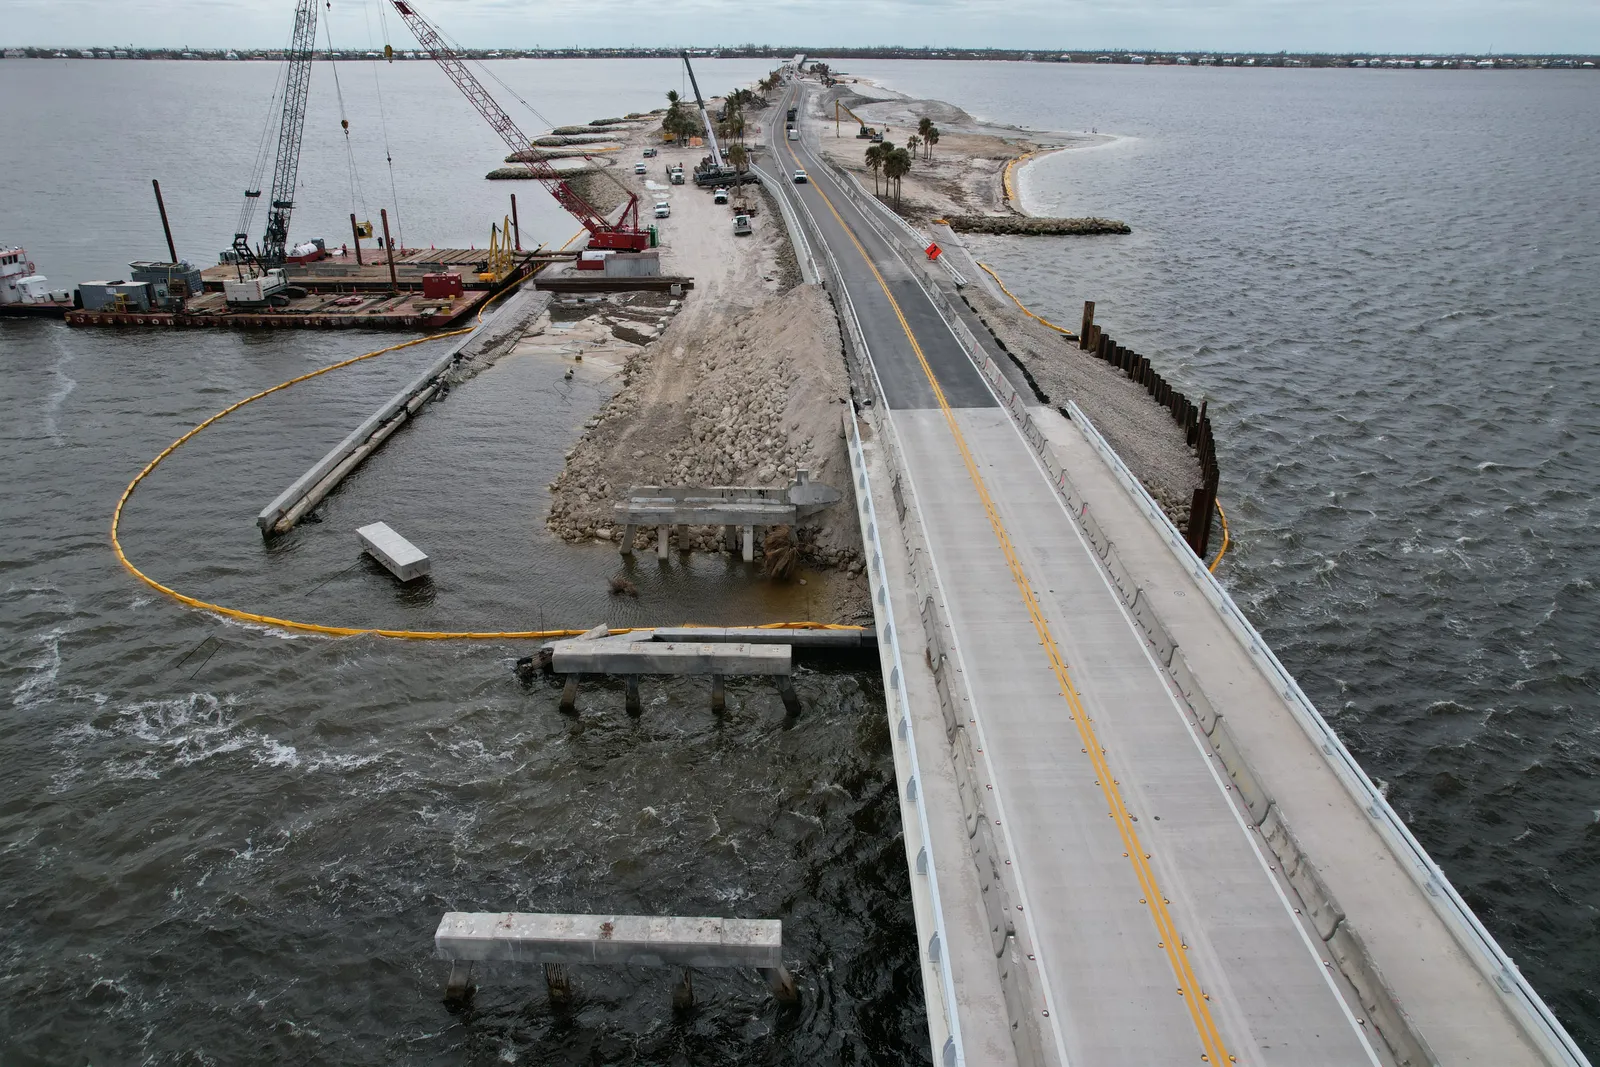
867,133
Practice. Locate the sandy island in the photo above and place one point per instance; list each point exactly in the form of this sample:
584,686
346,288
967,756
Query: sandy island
744,381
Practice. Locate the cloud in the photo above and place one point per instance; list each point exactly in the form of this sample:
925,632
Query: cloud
1241,25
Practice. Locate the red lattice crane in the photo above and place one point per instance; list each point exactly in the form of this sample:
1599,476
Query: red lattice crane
622,235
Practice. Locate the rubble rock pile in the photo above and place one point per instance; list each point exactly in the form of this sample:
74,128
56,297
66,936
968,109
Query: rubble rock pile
748,404
1035,226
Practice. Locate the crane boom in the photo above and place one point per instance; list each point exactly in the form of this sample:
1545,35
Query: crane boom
623,235
291,131
711,134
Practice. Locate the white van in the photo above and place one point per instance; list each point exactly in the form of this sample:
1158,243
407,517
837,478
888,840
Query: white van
794,134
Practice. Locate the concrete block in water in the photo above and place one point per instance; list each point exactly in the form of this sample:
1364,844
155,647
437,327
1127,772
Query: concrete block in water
632,940
405,560
669,657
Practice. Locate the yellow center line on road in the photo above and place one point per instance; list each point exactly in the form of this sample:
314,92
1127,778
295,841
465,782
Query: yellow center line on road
1215,1051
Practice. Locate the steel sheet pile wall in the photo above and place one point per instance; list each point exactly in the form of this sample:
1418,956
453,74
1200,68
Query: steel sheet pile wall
1196,425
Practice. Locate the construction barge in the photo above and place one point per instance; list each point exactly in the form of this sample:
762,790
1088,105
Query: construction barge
426,289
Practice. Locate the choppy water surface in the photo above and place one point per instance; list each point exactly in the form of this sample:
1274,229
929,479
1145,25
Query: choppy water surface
220,844
1384,282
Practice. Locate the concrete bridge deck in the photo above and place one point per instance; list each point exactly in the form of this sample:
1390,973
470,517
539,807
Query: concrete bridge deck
1105,861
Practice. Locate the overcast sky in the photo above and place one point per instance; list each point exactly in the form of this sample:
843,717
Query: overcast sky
1536,26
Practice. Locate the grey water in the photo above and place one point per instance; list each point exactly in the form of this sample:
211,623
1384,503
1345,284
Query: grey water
1385,285
222,843
219,843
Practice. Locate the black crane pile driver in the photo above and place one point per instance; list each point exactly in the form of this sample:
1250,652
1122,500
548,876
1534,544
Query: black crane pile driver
291,130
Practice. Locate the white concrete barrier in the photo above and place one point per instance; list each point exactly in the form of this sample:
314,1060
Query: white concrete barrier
1320,907
1250,791
633,940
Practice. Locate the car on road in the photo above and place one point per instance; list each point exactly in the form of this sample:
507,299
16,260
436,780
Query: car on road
800,177
638,168
649,153
741,226
663,209
719,196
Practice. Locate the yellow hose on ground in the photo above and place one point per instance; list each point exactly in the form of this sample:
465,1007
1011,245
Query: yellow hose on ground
1224,516
342,631
1040,318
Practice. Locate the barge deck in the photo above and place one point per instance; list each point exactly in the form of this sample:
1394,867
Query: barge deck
342,295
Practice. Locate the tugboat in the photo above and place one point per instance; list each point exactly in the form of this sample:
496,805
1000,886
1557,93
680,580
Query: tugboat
24,292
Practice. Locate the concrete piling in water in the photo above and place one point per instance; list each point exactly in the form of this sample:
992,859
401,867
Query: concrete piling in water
556,985
459,987
683,651
616,940
683,992
791,699
781,983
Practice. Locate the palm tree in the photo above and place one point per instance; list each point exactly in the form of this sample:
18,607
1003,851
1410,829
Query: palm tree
931,139
672,123
923,126
875,154
912,143
739,156
897,166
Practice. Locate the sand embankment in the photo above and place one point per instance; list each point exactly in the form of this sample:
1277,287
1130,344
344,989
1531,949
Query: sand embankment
744,385
965,183
964,177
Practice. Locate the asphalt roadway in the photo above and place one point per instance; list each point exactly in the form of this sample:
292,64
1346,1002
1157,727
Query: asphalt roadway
1162,933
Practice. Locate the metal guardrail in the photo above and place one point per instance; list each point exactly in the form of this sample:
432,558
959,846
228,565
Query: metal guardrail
1515,991
951,1053
1446,901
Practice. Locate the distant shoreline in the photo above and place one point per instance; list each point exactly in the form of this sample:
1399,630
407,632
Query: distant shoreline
1114,56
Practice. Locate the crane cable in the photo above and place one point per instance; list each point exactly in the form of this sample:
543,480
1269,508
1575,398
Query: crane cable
358,195
603,166
258,170
383,120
